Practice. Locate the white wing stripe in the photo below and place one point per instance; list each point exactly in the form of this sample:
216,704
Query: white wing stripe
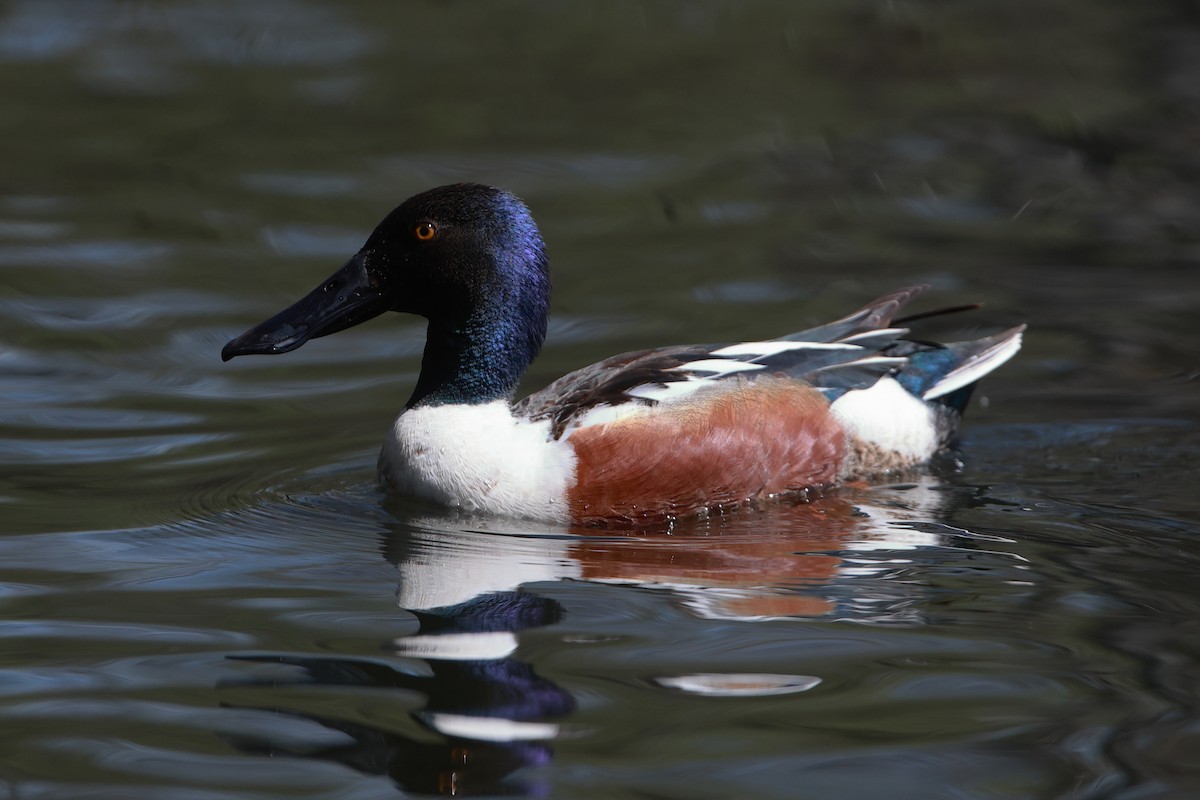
774,348
892,361
872,334
719,366
664,392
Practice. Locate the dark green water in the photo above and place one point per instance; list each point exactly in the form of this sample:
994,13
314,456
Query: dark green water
204,595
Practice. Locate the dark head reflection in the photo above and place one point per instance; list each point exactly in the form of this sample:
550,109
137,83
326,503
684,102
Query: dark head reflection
492,715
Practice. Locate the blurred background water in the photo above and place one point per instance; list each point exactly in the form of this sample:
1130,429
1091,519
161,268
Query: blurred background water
204,594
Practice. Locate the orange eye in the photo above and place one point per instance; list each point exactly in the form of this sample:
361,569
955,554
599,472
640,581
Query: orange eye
426,231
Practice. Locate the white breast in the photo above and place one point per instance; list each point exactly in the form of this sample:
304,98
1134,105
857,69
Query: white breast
479,458
888,427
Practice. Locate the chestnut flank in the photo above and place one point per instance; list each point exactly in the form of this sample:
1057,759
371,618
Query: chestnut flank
736,442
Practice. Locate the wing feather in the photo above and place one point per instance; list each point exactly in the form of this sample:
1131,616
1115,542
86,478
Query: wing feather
850,353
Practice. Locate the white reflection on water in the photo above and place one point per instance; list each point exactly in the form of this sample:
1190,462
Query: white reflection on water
834,558
745,684
490,729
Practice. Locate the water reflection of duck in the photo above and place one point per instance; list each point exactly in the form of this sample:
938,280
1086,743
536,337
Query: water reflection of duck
825,559
483,715
486,716
640,436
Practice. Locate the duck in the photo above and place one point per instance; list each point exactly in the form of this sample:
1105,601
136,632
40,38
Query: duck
639,438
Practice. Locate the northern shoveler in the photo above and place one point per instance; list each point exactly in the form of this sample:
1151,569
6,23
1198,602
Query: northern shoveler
642,436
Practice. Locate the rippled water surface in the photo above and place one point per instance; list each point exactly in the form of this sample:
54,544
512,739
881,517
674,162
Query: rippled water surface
205,595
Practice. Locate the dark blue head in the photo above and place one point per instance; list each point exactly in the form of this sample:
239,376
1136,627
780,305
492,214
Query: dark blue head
466,257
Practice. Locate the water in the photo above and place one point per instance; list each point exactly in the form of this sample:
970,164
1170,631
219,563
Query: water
204,594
